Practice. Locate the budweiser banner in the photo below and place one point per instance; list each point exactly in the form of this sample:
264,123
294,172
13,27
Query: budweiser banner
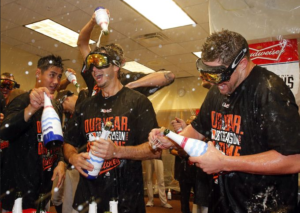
280,57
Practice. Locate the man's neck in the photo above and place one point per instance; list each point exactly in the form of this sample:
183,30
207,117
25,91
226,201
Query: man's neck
111,90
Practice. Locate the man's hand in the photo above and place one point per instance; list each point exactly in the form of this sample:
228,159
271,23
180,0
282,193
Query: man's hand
178,124
212,161
79,161
37,97
60,172
105,149
158,140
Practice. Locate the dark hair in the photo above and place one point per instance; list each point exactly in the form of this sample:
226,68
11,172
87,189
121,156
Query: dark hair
115,52
8,75
48,61
224,46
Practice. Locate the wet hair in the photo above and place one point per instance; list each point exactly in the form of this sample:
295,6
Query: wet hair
8,75
224,46
48,61
115,52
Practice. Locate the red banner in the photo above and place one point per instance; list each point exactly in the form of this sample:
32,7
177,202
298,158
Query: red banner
274,52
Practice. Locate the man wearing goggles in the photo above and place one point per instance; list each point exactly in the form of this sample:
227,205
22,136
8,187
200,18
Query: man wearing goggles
251,119
219,74
7,84
132,115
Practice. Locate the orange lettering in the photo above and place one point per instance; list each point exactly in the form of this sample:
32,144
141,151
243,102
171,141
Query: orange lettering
124,123
117,123
237,124
86,126
38,127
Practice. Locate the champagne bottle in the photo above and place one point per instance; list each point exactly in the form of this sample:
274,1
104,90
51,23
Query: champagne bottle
17,208
51,125
41,204
113,206
169,195
96,161
72,78
193,147
92,205
102,18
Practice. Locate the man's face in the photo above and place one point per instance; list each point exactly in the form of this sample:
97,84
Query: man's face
4,90
50,78
104,76
227,87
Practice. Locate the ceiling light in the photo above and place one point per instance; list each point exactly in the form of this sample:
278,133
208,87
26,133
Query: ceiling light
163,13
198,54
56,31
134,66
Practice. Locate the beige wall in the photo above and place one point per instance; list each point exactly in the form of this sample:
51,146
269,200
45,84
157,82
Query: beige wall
20,62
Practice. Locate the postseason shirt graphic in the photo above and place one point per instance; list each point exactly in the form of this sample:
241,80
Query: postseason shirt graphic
226,129
119,135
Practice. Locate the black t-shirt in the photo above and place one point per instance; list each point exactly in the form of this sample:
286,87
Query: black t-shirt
28,165
260,115
133,117
125,78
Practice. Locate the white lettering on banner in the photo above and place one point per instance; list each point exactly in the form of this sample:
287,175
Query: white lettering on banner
269,51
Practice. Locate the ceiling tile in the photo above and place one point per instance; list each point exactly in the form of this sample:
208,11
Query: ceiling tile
187,3
52,45
48,9
21,15
169,49
6,25
135,27
88,6
74,20
33,50
24,34
186,33
9,40
193,46
182,58
198,12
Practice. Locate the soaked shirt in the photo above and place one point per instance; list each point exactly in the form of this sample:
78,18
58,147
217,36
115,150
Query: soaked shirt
260,115
28,165
133,117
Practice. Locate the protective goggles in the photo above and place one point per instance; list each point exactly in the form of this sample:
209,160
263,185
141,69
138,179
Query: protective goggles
8,84
99,60
219,74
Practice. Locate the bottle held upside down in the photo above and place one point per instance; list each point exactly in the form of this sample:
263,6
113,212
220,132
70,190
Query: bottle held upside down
51,125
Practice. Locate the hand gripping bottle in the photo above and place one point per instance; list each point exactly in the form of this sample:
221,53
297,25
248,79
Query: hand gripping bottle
192,146
92,205
17,208
102,18
72,78
51,125
96,161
